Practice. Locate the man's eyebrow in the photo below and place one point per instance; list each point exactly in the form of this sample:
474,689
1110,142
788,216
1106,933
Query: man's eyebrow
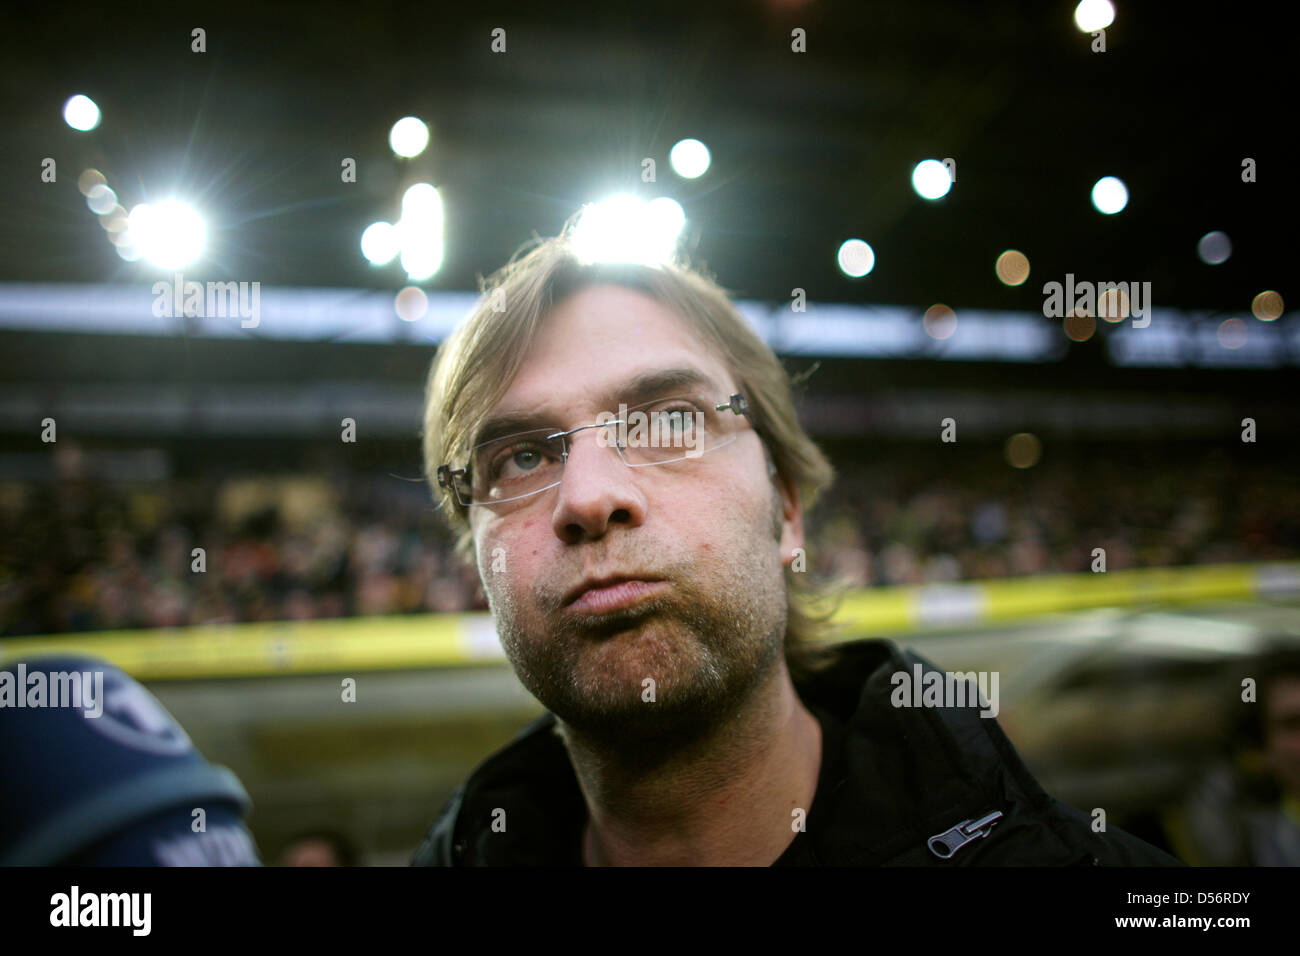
660,383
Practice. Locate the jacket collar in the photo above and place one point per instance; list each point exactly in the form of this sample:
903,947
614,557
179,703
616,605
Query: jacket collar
891,778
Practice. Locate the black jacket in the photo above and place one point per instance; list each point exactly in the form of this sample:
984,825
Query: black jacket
898,786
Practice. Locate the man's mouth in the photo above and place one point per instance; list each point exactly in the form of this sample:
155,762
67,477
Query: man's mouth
611,594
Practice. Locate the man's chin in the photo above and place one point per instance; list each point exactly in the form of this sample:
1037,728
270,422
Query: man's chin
641,688
637,730
649,681
648,649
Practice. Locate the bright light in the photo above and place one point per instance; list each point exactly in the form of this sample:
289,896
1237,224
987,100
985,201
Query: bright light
1093,15
1232,333
169,235
421,254
411,304
1267,306
1214,248
856,258
101,199
626,229
379,243
1012,267
80,112
408,137
940,322
419,232
689,159
114,221
1109,195
421,202
416,237
931,179
667,215
89,179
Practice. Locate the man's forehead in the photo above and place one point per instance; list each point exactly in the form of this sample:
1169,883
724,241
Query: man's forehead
600,346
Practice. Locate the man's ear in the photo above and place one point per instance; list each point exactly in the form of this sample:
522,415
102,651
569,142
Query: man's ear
791,518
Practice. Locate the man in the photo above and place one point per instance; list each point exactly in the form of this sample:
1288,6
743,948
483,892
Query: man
620,454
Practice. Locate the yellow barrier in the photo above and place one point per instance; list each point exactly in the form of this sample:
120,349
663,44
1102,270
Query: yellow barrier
349,645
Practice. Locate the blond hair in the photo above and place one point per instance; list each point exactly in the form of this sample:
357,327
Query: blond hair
476,364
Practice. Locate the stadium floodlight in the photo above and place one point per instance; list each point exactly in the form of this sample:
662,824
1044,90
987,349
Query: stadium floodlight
416,237
1214,248
81,113
856,258
379,243
1093,15
169,234
689,159
1109,195
419,232
423,204
624,228
931,179
408,137
421,254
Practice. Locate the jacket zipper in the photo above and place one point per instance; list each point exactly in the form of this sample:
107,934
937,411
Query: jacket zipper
945,844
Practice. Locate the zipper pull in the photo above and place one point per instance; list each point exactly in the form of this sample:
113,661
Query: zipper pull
945,844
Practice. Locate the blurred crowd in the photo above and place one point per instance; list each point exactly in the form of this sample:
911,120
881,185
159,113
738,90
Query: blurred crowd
88,555
83,554
908,522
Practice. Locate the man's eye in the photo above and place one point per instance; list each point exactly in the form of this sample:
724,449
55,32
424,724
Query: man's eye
517,459
675,416
677,420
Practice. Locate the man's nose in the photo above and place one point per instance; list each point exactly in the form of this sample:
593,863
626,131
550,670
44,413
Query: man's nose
597,488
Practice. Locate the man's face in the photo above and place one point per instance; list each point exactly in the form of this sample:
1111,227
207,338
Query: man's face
712,530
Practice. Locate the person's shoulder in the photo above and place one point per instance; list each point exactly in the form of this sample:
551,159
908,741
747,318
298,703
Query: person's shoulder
1112,846
440,846
436,848
959,763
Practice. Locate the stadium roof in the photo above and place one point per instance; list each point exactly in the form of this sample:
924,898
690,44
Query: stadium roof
808,148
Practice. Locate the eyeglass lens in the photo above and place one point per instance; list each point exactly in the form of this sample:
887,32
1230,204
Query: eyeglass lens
659,432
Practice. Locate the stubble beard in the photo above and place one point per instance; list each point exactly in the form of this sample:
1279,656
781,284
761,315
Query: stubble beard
707,648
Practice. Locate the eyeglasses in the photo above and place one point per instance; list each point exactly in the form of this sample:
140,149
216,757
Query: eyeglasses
658,432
